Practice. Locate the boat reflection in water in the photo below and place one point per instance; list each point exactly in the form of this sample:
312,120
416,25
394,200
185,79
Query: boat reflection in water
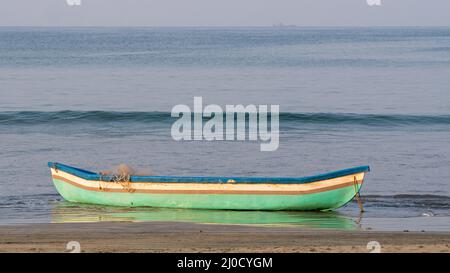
66,212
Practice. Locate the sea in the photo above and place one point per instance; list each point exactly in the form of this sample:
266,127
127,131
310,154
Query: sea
97,97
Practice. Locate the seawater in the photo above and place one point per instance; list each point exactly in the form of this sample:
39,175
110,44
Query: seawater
97,97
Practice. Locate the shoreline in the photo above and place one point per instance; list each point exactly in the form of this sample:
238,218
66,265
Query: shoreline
182,237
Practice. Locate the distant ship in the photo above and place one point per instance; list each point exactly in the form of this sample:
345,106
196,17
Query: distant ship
281,25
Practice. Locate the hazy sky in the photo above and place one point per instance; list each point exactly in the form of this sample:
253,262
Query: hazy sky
224,13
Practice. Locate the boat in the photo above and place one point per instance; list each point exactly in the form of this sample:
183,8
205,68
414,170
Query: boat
321,192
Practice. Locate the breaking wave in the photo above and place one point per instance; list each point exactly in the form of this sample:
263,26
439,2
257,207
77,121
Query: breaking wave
67,116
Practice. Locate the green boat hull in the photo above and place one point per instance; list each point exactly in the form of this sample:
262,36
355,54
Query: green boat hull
326,200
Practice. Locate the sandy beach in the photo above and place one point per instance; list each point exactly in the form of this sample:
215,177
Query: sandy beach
189,237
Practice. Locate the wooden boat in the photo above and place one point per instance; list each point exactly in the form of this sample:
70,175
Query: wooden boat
320,192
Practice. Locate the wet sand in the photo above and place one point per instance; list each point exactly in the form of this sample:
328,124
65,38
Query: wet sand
190,237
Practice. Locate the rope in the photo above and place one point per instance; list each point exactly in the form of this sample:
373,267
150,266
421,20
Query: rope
123,179
102,183
55,167
357,196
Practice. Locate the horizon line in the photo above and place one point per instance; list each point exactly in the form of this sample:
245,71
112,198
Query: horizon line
222,26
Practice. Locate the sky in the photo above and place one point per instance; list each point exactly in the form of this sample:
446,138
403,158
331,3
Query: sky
224,13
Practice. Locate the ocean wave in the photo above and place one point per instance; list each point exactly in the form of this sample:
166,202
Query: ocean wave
437,49
425,201
366,119
68,116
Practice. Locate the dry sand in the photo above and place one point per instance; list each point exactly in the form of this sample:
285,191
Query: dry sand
189,237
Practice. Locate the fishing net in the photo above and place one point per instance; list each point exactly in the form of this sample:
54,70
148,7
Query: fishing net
123,173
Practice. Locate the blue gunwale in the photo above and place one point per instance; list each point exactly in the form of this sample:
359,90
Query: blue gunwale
88,175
